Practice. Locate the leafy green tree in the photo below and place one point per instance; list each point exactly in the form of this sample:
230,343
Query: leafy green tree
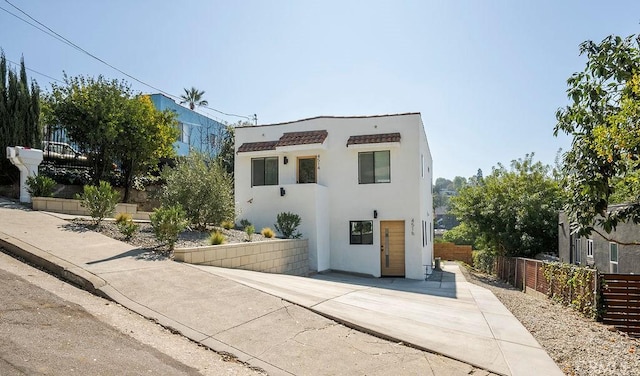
202,187
193,97
513,212
144,139
19,114
602,165
112,125
462,234
227,153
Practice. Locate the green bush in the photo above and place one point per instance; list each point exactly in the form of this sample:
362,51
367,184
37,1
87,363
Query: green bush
244,223
40,186
484,261
287,224
250,230
216,238
267,233
99,200
227,225
127,228
202,187
167,223
123,217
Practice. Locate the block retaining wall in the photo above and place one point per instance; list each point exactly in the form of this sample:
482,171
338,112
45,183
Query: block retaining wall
69,206
286,256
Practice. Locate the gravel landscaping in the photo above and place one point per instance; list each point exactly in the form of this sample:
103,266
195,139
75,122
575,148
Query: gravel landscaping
578,345
144,237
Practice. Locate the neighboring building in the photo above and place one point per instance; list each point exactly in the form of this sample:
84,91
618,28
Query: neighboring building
362,186
612,255
197,132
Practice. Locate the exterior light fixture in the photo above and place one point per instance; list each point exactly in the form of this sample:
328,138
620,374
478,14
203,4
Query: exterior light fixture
375,214
282,192
286,160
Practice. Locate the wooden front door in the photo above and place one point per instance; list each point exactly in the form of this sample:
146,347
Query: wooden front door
392,248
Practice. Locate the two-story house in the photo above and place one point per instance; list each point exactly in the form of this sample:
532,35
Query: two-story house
197,131
361,184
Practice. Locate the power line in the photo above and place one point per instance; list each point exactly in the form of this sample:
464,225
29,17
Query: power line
66,41
35,71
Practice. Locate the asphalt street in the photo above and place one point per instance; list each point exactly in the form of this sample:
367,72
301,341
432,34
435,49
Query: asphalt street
42,333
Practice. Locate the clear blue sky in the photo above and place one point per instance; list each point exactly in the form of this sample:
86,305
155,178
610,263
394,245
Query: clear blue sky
487,76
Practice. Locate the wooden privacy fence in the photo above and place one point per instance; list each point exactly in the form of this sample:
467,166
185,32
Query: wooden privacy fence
621,301
618,294
450,251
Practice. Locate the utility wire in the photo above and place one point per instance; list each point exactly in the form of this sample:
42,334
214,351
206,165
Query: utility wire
64,40
35,71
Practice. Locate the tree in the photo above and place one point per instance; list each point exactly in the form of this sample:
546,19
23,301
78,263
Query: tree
603,118
112,125
193,97
202,187
19,114
513,212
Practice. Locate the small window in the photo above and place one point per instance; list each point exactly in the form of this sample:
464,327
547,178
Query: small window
307,170
590,248
613,257
577,250
360,232
184,132
374,167
264,171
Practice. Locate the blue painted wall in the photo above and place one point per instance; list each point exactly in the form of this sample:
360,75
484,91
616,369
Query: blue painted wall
198,132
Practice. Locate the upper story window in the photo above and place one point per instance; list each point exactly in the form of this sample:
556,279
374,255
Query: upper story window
589,248
184,132
374,167
264,171
307,167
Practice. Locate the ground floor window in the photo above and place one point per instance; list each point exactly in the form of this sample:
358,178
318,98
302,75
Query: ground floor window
360,232
577,250
613,257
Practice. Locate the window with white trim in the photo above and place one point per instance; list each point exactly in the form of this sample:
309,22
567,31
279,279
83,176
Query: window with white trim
577,250
613,257
589,248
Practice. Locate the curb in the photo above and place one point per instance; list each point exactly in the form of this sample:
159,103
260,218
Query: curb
57,266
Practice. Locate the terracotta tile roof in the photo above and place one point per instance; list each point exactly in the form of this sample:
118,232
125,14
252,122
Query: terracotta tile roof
257,146
303,138
373,138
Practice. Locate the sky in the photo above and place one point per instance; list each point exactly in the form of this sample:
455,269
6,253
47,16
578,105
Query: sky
487,76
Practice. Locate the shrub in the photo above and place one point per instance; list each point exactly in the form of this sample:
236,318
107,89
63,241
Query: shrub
127,228
216,238
167,223
40,186
123,217
287,224
267,233
227,225
99,200
250,230
484,261
202,187
244,223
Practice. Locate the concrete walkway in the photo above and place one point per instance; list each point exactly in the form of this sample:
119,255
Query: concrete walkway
268,320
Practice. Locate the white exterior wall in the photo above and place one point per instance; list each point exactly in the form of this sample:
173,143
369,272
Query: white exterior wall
327,207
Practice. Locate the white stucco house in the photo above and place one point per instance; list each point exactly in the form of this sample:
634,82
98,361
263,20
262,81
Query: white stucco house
361,184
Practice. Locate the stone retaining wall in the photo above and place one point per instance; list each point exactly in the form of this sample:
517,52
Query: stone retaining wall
286,256
69,206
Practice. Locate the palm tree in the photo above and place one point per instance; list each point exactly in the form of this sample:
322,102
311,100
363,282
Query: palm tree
193,97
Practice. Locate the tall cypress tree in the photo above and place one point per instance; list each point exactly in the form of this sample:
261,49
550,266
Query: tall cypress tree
19,115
